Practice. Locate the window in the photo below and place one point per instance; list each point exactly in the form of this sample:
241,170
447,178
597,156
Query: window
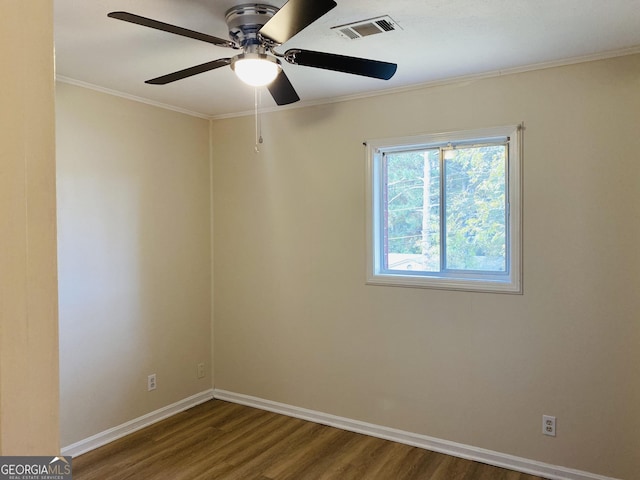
444,210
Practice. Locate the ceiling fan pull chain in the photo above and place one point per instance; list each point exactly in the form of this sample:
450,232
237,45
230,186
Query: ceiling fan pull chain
255,106
259,115
258,119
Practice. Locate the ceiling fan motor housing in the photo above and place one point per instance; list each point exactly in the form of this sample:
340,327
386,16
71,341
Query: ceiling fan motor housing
244,22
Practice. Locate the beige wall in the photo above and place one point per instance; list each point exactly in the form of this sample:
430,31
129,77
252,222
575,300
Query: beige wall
28,294
134,258
295,323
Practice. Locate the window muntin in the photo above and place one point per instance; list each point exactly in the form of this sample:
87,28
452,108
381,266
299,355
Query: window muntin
444,210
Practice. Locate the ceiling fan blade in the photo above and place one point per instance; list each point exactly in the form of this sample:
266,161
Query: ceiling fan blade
282,91
293,17
167,27
341,63
188,72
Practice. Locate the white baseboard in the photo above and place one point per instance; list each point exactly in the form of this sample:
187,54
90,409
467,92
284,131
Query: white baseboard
524,465
108,436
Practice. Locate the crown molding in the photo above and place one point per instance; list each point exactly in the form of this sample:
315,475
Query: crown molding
135,98
376,93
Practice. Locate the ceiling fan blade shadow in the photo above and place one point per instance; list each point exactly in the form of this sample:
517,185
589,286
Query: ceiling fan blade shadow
282,90
293,17
188,72
167,27
342,63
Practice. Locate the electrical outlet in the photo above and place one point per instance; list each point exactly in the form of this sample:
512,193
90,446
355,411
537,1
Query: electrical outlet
549,425
200,370
151,382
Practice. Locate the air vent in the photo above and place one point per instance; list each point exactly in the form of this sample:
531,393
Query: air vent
365,28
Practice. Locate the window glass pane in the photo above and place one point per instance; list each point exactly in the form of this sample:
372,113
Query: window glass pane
411,205
475,212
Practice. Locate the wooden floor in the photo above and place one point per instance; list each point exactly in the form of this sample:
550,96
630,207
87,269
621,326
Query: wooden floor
225,441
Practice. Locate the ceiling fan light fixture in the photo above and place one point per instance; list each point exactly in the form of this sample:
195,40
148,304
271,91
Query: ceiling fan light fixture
257,29
256,69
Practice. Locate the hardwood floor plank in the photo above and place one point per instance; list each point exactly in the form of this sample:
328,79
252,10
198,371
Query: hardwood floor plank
223,441
386,460
343,462
423,465
275,448
310,461
243,452
453,468
348,463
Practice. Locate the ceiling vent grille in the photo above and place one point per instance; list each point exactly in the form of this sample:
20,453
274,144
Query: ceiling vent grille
365,28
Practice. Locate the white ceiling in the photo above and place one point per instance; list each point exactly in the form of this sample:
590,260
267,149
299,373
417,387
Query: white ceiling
438,40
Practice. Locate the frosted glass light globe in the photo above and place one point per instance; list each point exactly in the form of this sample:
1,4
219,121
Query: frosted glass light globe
256,70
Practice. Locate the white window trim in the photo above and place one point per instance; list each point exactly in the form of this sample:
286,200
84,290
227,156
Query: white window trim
512,284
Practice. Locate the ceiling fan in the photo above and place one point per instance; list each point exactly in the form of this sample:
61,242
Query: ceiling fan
258,29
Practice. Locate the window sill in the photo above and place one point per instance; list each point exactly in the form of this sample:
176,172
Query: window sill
444,283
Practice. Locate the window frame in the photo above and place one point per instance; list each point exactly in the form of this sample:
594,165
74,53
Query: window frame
509,282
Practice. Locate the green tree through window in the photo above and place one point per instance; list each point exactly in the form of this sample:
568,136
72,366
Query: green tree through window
413,208
474,220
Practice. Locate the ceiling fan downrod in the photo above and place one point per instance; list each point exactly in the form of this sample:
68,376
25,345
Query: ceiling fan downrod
245,21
